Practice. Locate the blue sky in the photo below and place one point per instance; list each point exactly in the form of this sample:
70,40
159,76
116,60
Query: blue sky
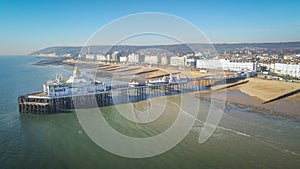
31,25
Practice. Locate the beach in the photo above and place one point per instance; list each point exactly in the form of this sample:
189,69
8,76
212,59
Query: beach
256,91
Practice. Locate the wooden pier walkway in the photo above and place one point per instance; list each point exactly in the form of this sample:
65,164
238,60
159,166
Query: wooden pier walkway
39,103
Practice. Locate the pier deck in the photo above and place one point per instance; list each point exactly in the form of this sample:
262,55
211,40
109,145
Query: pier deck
40,103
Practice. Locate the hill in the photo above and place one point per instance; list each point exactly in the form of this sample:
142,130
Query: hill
174,48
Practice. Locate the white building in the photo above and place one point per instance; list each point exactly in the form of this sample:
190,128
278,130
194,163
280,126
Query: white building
223,64
75,85
151,59
210,64
177,61
90,56
242,66
100,57
133,58
290,69
108,57
123,58
114,56
164,60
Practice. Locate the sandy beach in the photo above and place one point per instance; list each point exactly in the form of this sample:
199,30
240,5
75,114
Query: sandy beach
256,91
267,89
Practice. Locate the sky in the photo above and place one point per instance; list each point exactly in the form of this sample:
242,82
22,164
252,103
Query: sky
27,26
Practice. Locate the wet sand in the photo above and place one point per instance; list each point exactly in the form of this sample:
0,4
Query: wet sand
267,89
287,107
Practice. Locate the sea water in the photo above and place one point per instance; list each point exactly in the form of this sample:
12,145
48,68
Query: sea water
244,139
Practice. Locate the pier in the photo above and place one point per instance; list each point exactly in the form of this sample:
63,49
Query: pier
63,95
39,103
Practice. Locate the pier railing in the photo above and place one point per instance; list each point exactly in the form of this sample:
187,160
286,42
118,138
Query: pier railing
117,94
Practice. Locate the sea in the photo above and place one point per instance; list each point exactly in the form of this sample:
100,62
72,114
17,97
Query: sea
244,138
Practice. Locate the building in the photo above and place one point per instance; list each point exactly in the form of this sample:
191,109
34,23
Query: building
242,66
90,56
269,66
223,64
123,59
177,61
100,57
115,56
292,70
133,58
108,57
164,60
152,59
191,62
61,95
74,85
209,64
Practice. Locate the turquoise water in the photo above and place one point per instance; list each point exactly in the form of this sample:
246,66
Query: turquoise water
243,140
